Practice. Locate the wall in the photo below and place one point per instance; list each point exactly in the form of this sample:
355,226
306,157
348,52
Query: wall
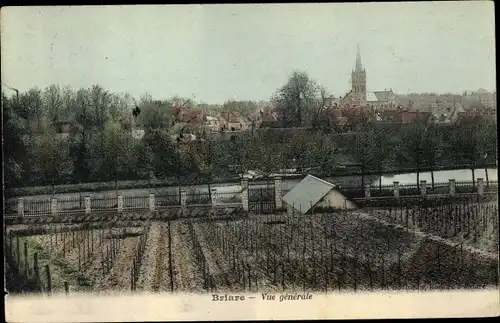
335,199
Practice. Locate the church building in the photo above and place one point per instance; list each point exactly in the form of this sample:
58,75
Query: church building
359,97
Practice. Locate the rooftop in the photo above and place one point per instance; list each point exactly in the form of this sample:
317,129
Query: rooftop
307,193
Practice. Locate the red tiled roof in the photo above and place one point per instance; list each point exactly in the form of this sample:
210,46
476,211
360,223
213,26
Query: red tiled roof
408,116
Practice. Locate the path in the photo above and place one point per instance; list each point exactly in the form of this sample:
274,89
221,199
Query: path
430,236
185,276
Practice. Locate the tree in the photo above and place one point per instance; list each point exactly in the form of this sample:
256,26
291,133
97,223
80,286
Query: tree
244,109
118,152
144,158
50,159
155,115
472,143
363,149
53,101
100,102
411,146
167,158
433,149
14,150
296,99
31,108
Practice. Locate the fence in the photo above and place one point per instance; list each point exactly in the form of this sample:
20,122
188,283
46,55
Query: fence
24,266
136,202
22,207
54,206
437,188
167,200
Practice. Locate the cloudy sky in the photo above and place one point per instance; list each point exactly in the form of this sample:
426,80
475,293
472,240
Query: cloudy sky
213,53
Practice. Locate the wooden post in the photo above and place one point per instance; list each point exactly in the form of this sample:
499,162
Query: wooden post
49,281
18,253
26,259
66,288
35,266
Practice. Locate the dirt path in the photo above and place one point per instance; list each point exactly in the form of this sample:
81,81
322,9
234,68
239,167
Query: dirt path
162,277
216,265
119,277
149,268
186,278
431,236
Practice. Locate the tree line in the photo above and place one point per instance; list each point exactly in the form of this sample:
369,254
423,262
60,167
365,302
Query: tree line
99,145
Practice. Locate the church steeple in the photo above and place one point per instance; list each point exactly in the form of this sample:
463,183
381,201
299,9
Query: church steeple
359,66
358,78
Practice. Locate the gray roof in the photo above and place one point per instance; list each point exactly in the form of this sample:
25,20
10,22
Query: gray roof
383,95
307,192
371,97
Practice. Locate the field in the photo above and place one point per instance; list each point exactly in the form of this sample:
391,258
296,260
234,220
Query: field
317,252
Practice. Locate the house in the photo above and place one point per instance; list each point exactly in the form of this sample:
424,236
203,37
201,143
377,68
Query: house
314,192
230,122
138,133
409,116
268,119
445,112
212,123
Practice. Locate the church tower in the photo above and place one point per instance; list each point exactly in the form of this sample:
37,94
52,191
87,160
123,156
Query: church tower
358,79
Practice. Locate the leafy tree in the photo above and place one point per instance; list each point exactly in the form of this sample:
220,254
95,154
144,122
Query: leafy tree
296,99
100,102
14,150
472,143
50,159
155,115
412,146
363,149
31,108
118,158
244,109
433,149
53,101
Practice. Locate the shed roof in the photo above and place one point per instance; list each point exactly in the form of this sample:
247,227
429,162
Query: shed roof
308,192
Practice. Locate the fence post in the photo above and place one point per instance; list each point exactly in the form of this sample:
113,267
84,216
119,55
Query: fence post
213,195
452,186
87,204
277,192
396,190
244,193
423,188
183,198
151,202
26,267
480,187
53,205
367,191
49,280
120,203
20,207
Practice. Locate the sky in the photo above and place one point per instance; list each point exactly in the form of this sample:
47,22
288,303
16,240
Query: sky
214,53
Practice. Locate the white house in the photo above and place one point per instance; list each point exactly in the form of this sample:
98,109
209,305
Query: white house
138,133
314,192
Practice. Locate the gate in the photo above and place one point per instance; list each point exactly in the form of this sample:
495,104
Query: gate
261,200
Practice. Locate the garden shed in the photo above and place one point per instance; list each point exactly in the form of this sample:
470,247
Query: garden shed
313,192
